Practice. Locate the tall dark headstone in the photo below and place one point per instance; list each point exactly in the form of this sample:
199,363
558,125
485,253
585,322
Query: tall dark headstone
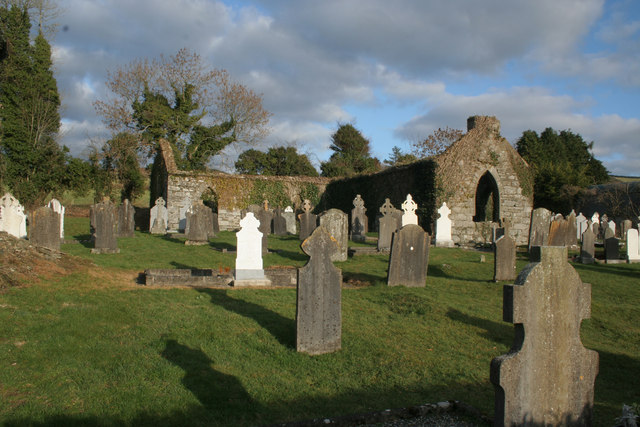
409,257
318,309
105,227
279,223
539,229
548,376
359,221
505,259
199,224
44,228
611,247
126,219
388,225
588,248
308,221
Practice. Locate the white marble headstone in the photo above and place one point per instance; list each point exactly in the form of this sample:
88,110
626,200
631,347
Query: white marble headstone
612,226
581,225
595,218
14,220
249,251
409,208
443,227
59,209
633,248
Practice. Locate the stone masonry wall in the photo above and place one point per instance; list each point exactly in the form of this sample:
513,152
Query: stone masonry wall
461,166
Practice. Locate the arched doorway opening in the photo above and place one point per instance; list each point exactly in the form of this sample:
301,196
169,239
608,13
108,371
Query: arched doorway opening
487,199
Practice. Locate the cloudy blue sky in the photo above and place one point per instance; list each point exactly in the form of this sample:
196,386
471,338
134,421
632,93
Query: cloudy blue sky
396,69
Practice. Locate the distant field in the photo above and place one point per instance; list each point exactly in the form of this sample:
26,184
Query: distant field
626,178
96,348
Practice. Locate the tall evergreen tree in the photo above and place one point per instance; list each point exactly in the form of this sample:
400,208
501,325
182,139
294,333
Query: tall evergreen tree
34,162
352,154
563,165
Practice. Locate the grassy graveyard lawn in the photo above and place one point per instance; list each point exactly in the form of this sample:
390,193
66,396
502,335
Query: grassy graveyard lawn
94,347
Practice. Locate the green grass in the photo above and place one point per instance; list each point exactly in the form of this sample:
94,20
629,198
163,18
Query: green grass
90,349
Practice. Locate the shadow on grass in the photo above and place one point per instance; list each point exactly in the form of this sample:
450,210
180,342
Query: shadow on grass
501,333
84,239
219,393
222,245
627,270
282,328
293,256
438,271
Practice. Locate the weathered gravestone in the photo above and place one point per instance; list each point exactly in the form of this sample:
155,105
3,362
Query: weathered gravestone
559,231
199,224
359,220
588,248
336,223
443,227
572,239
581,225
13,219
290,218
409,208
158,217
249,270
126,219
539,228
504,259
318,308
633,247
279,223
44,228
547,379
388,224
612,226
409,257
308,220
611,247
104,223
59,209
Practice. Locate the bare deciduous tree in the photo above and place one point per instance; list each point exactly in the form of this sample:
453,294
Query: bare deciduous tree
436,142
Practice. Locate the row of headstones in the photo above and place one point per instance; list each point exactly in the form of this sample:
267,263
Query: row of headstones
108,222
548,376
46,224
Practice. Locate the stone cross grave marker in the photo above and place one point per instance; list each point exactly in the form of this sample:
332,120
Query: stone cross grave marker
264,217
359,221
409,211
126,219
105,227
158,217
539,229
59,209
279,223
443,227
388,225
409,257
308,220
504,259
548,377
249,269
290,218
633,248
588,248
581,225
318,308
13,219
44,228
611,247
336,223
199,225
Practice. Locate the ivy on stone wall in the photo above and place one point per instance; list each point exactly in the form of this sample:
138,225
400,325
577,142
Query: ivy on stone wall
273,191
417,179
311,192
